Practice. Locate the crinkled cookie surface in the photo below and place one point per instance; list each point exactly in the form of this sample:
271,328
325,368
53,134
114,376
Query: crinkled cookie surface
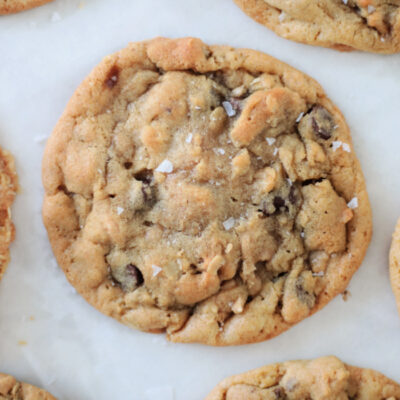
367,25
13,6
11,389
325,378
203,191
8,189
394,263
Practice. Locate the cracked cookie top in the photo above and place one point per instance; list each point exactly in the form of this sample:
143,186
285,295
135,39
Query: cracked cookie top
11,389
325,378
13,6
8,189
209,192
394,263
367,25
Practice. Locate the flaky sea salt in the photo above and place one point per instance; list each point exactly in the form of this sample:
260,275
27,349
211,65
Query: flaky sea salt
156,269
320,273
229,223
345,1
270,140
337,144
371,9
300,117
189,138
275,151
166,167
120,210
282,16
228,109
353,203
55,17
221,151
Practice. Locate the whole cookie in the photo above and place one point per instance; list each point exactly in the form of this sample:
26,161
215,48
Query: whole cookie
8,189
13,6
394,263
11,389
367,25
325,378
202,191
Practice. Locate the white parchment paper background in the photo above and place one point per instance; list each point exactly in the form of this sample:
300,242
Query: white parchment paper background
48,335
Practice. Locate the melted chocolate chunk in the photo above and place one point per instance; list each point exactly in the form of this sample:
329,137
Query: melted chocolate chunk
135,273
322,122
112,77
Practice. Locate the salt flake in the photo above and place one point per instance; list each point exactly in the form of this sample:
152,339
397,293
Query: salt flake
166,166
353,203
229,223
300,117
228,109
275,151
156,269
270,140
189,138
120,210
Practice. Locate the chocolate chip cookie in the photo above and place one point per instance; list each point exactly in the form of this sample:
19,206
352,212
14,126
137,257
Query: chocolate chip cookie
13,6
394,263
11,389
367,25
8,189
325,378
203,191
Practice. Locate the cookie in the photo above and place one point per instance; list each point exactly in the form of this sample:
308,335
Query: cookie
394,264
203,191
325,378
11,389
367,25
8,189
14,6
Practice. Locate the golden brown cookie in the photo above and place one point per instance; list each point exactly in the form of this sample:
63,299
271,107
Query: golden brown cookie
394,263
8,189
325,378
14,6
203,191
367,25
11,389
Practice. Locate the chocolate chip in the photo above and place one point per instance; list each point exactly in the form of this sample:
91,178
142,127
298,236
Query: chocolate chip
112,77
304,296
292,195
278,202
134,272
145,176
279,393
322,122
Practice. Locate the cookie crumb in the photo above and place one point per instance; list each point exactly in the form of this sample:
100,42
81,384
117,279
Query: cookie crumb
345,295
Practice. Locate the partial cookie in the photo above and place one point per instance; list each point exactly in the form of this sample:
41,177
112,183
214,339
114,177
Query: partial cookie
394,262
209,192
11,389
367,25
13,6
8,189
325,378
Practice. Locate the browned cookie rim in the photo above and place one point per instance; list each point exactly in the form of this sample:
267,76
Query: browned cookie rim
15,6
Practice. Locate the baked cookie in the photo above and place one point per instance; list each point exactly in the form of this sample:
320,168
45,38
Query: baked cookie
13,6
11,389
204,191
394,263
367,25
8,189
325,378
